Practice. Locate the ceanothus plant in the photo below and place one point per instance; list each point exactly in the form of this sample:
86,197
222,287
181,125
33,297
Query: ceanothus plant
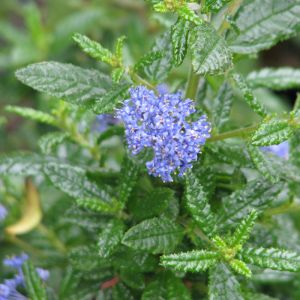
163,194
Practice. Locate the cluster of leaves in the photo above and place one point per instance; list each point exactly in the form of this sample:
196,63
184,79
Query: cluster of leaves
141,238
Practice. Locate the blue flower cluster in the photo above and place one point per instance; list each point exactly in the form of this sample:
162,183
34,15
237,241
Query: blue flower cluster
3,212
281,150
8,289
160,122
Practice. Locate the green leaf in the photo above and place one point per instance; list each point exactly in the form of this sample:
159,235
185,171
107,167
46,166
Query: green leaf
272,132
262,24
93,48
193,261
166,287
243,230
110,238
215,5
74,182
119,47
263,164
257,194
148,59
22,164
272,258
222,106
71,83
276,79
151,204
110,132
128,179
50,141
134,280
223,285
248,95
33,283
210,54
160,68
97,205
113,96
198,205
121,292
157,235
86,258
188,14
240,267
179,37
32,114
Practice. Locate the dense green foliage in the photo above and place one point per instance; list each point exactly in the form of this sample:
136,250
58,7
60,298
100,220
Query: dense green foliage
87,210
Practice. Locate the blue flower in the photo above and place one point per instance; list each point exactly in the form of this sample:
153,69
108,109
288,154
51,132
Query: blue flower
281,150
160,122
3,212
8,289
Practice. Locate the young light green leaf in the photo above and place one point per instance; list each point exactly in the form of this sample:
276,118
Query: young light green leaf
271,258
166,287
240,267
210,54
257,194
215,5
160,68
222,106
74,182
248,95
50,141
260,25
263,164
179,37
198,205
97,205
272,132
109,101
223,285
71,83
31,114
33,283
244,229
110,238
188,14
119,47
193,261
93,48
157,235
148,59
276,79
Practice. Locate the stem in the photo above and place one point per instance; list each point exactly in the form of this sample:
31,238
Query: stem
192,85
285,208
232,9
242,132
137,79
52,237
23,245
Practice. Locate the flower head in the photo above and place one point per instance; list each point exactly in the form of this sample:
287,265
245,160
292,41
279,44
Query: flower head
3,212
281,150
15,262
160,122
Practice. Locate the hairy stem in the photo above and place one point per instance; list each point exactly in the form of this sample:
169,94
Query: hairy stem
192,85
